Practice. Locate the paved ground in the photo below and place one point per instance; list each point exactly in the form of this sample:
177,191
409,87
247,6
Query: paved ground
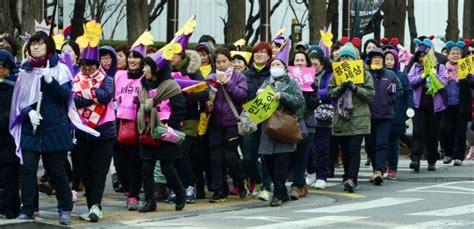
440,199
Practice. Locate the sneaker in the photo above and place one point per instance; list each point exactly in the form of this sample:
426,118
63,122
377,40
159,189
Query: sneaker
447,160
378,179
132,204
311,179
264,195
251,186
415,165
320,184
256,190
95,213
25,217
276,202
64,217
457,162
392,174
172,198
349,186
234,191
218,197
431,167
85,217
190,194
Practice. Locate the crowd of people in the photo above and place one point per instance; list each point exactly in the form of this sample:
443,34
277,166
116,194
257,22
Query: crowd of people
102,106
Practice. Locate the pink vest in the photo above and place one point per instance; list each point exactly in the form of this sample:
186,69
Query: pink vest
109,115
126,94
164,109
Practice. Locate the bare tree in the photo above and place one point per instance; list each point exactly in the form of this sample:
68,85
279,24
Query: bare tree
121,15
78,19
394,19
97,9
6,24
412,23
452,29
234,25
468,20
155,11
317,17
332,18
31,11
249,30
137,19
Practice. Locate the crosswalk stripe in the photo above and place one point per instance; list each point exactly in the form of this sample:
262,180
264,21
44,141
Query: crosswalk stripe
441,223
383,202
460,210
312,222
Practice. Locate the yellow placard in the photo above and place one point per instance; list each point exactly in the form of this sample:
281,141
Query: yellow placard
348,71
472,64
464,68
263,106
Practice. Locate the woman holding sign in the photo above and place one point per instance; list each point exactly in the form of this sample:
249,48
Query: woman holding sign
458,100
276,153
300,156
352,116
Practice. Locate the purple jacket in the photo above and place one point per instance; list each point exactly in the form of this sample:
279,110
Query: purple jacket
417,82
323,91
222,115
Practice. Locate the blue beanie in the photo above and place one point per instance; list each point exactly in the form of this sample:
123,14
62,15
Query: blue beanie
7,59
316,48
348,50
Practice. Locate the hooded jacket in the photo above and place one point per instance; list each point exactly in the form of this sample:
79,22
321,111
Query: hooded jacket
113,67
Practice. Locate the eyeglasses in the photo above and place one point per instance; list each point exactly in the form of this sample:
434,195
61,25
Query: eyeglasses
106,58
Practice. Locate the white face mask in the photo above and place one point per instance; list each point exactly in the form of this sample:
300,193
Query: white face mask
277,72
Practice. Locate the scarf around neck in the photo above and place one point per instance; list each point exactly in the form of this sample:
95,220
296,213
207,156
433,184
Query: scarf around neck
452,69
84,86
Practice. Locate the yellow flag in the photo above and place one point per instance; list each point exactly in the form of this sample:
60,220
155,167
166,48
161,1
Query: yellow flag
348,71
464,68
263,106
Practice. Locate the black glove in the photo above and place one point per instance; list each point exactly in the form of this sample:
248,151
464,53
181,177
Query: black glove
314,85
344,86
351,86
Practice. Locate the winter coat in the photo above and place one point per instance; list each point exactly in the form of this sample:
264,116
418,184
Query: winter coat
291,102
381,106
402,104
53,133
359,123
417,82
113,67
323,91
106,126
312,101
7,143
222,115
255,79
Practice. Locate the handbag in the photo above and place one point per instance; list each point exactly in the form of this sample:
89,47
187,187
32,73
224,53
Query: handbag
148,140
283,128
324,112
245,125
127,133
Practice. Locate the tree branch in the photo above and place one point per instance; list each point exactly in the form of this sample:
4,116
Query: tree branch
157,10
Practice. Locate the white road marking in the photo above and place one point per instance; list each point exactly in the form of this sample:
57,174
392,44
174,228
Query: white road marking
312,222
460,210
383,202
434,224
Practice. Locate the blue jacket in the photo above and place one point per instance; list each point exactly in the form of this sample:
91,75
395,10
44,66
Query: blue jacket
402,104
7,144
381,106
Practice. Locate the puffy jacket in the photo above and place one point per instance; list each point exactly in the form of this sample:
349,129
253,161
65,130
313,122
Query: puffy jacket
402,104
381,107
222,114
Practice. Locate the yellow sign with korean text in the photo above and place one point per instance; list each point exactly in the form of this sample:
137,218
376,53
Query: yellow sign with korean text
348,71
464,68
263,106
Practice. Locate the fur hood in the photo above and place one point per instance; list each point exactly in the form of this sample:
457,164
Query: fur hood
194,61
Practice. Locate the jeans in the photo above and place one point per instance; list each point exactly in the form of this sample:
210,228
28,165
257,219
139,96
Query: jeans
250,153
393,151
54,163
321,148
94,164
299,159
377,143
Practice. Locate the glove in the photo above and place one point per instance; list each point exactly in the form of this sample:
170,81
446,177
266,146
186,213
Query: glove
46,72
410,113
351,86
314,85
344,86
35,117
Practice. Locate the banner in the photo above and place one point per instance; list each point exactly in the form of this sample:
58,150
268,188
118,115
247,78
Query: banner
362,13
464,68
262,107
304,76
348,71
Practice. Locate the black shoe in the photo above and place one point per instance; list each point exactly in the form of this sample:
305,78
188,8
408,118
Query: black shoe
115,181
415,165
349,186
276,202
217,197
431,167
200,191
243,191
180,198
148,206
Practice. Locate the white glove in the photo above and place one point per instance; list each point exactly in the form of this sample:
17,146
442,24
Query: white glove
35,117
46,72
410,113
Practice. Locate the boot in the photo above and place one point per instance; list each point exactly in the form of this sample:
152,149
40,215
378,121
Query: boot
180,198
200,191
161,192
148,206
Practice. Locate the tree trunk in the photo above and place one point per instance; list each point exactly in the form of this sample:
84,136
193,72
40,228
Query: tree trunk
332,18
14,15
234,29
411,23
265,29
452,30
6,24
137,19
394,19
32,10
468,19
316,19
78,19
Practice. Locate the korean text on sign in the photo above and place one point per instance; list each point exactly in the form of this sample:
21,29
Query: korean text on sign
263,106
304,77
464,67
348,71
